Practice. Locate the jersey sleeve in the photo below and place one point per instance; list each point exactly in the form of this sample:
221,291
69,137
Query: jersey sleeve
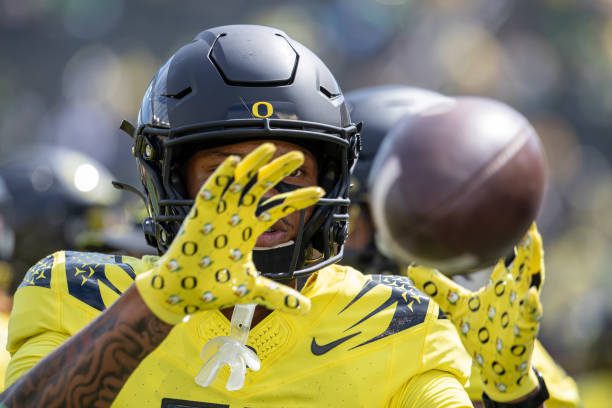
4,355
31,352
429,345
442,348
561,387
58,297
433,388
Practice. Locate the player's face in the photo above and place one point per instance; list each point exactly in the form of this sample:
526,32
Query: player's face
201,165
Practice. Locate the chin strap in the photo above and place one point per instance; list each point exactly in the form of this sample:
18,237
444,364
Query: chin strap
283,258
274,260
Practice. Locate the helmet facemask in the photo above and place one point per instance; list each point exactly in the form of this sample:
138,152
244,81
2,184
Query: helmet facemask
320,239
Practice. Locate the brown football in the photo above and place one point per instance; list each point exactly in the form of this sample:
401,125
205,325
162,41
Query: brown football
456,186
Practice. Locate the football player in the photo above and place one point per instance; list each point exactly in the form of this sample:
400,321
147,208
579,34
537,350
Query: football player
58,196
49,197
379,108
7,241
244,146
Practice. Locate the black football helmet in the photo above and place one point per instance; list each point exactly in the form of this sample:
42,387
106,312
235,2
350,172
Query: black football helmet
378,109
237,83
56,195
7,237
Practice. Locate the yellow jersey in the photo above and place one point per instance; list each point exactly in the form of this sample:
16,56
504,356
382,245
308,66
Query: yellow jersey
371,341
4,355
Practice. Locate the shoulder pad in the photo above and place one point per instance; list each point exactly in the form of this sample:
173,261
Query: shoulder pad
39,274
410,305
86,271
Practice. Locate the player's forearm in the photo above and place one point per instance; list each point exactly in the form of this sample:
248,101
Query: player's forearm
91,368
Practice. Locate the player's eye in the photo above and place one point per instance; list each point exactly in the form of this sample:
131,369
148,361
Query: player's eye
297,173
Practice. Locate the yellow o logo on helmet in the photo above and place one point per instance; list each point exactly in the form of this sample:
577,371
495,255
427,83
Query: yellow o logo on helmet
269,109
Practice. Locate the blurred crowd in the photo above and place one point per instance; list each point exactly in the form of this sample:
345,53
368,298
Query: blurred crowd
71,70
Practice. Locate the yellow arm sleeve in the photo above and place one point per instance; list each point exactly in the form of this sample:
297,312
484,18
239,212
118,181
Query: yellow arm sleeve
433,388
31,352
561,387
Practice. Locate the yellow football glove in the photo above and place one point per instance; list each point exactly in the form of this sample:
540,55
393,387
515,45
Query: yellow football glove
208,264
499,323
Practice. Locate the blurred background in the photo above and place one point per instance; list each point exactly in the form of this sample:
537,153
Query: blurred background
70,70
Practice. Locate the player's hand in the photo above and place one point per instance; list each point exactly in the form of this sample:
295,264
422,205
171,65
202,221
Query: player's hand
498,324
208,265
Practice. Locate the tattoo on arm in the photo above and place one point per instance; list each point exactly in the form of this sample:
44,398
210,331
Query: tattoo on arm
90,369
